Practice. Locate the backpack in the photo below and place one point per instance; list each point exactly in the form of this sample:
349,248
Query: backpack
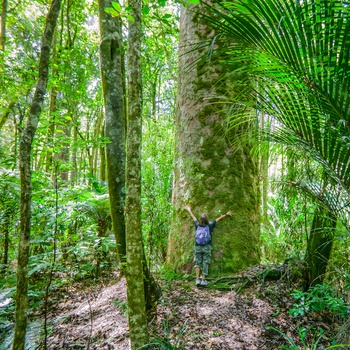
203,235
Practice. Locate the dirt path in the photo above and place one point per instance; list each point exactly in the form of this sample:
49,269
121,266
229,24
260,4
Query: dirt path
219,320
186,316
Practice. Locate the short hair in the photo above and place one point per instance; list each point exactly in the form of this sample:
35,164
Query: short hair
203,220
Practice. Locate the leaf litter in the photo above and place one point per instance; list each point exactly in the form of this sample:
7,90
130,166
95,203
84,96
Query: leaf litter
186,317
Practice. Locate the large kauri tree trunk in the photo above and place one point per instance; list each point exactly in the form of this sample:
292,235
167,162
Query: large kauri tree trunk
210,175
25,176
111,49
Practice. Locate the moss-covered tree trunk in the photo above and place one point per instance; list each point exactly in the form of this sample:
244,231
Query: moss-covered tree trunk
25,176
137,316
111,48
319,245
5,228
210,175
3,24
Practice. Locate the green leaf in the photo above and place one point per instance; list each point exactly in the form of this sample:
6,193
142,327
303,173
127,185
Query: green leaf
112,11
87,267
193,2
116,6
145,10
130,18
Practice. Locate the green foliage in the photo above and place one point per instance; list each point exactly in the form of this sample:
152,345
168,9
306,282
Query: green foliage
6,312
170,341
122,305
339,265
157,164
156,200
303,332
9,211
73,85
80,250
304,91
275,248
117,10
169,275
290,210
73,231
319,298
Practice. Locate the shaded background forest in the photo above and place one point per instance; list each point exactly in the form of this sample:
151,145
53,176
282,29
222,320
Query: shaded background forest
302,161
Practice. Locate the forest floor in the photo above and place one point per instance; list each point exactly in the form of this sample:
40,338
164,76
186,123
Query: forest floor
187,317
93,316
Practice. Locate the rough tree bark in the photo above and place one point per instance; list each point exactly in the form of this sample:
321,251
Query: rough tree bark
25,177
134,269
111,53
210,175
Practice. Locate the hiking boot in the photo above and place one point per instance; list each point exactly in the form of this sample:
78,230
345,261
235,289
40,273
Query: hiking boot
204,283
198,282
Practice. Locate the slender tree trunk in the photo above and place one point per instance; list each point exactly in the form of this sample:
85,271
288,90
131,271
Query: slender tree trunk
264,176
210,175
69,42
64,154
25,177
74,174
102,158
3,25
111,51
90,151
97,135
154,87
6,114
100,255
6,231
6,247
134,248
319,245
53,108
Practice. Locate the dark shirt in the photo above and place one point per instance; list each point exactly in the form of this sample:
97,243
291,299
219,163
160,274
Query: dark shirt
211,227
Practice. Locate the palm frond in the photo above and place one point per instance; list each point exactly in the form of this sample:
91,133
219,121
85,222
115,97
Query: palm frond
297,54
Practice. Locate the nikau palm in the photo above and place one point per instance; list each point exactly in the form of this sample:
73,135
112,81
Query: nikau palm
298,54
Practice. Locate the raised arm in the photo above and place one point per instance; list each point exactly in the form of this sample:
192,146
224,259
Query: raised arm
188,208
229,213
